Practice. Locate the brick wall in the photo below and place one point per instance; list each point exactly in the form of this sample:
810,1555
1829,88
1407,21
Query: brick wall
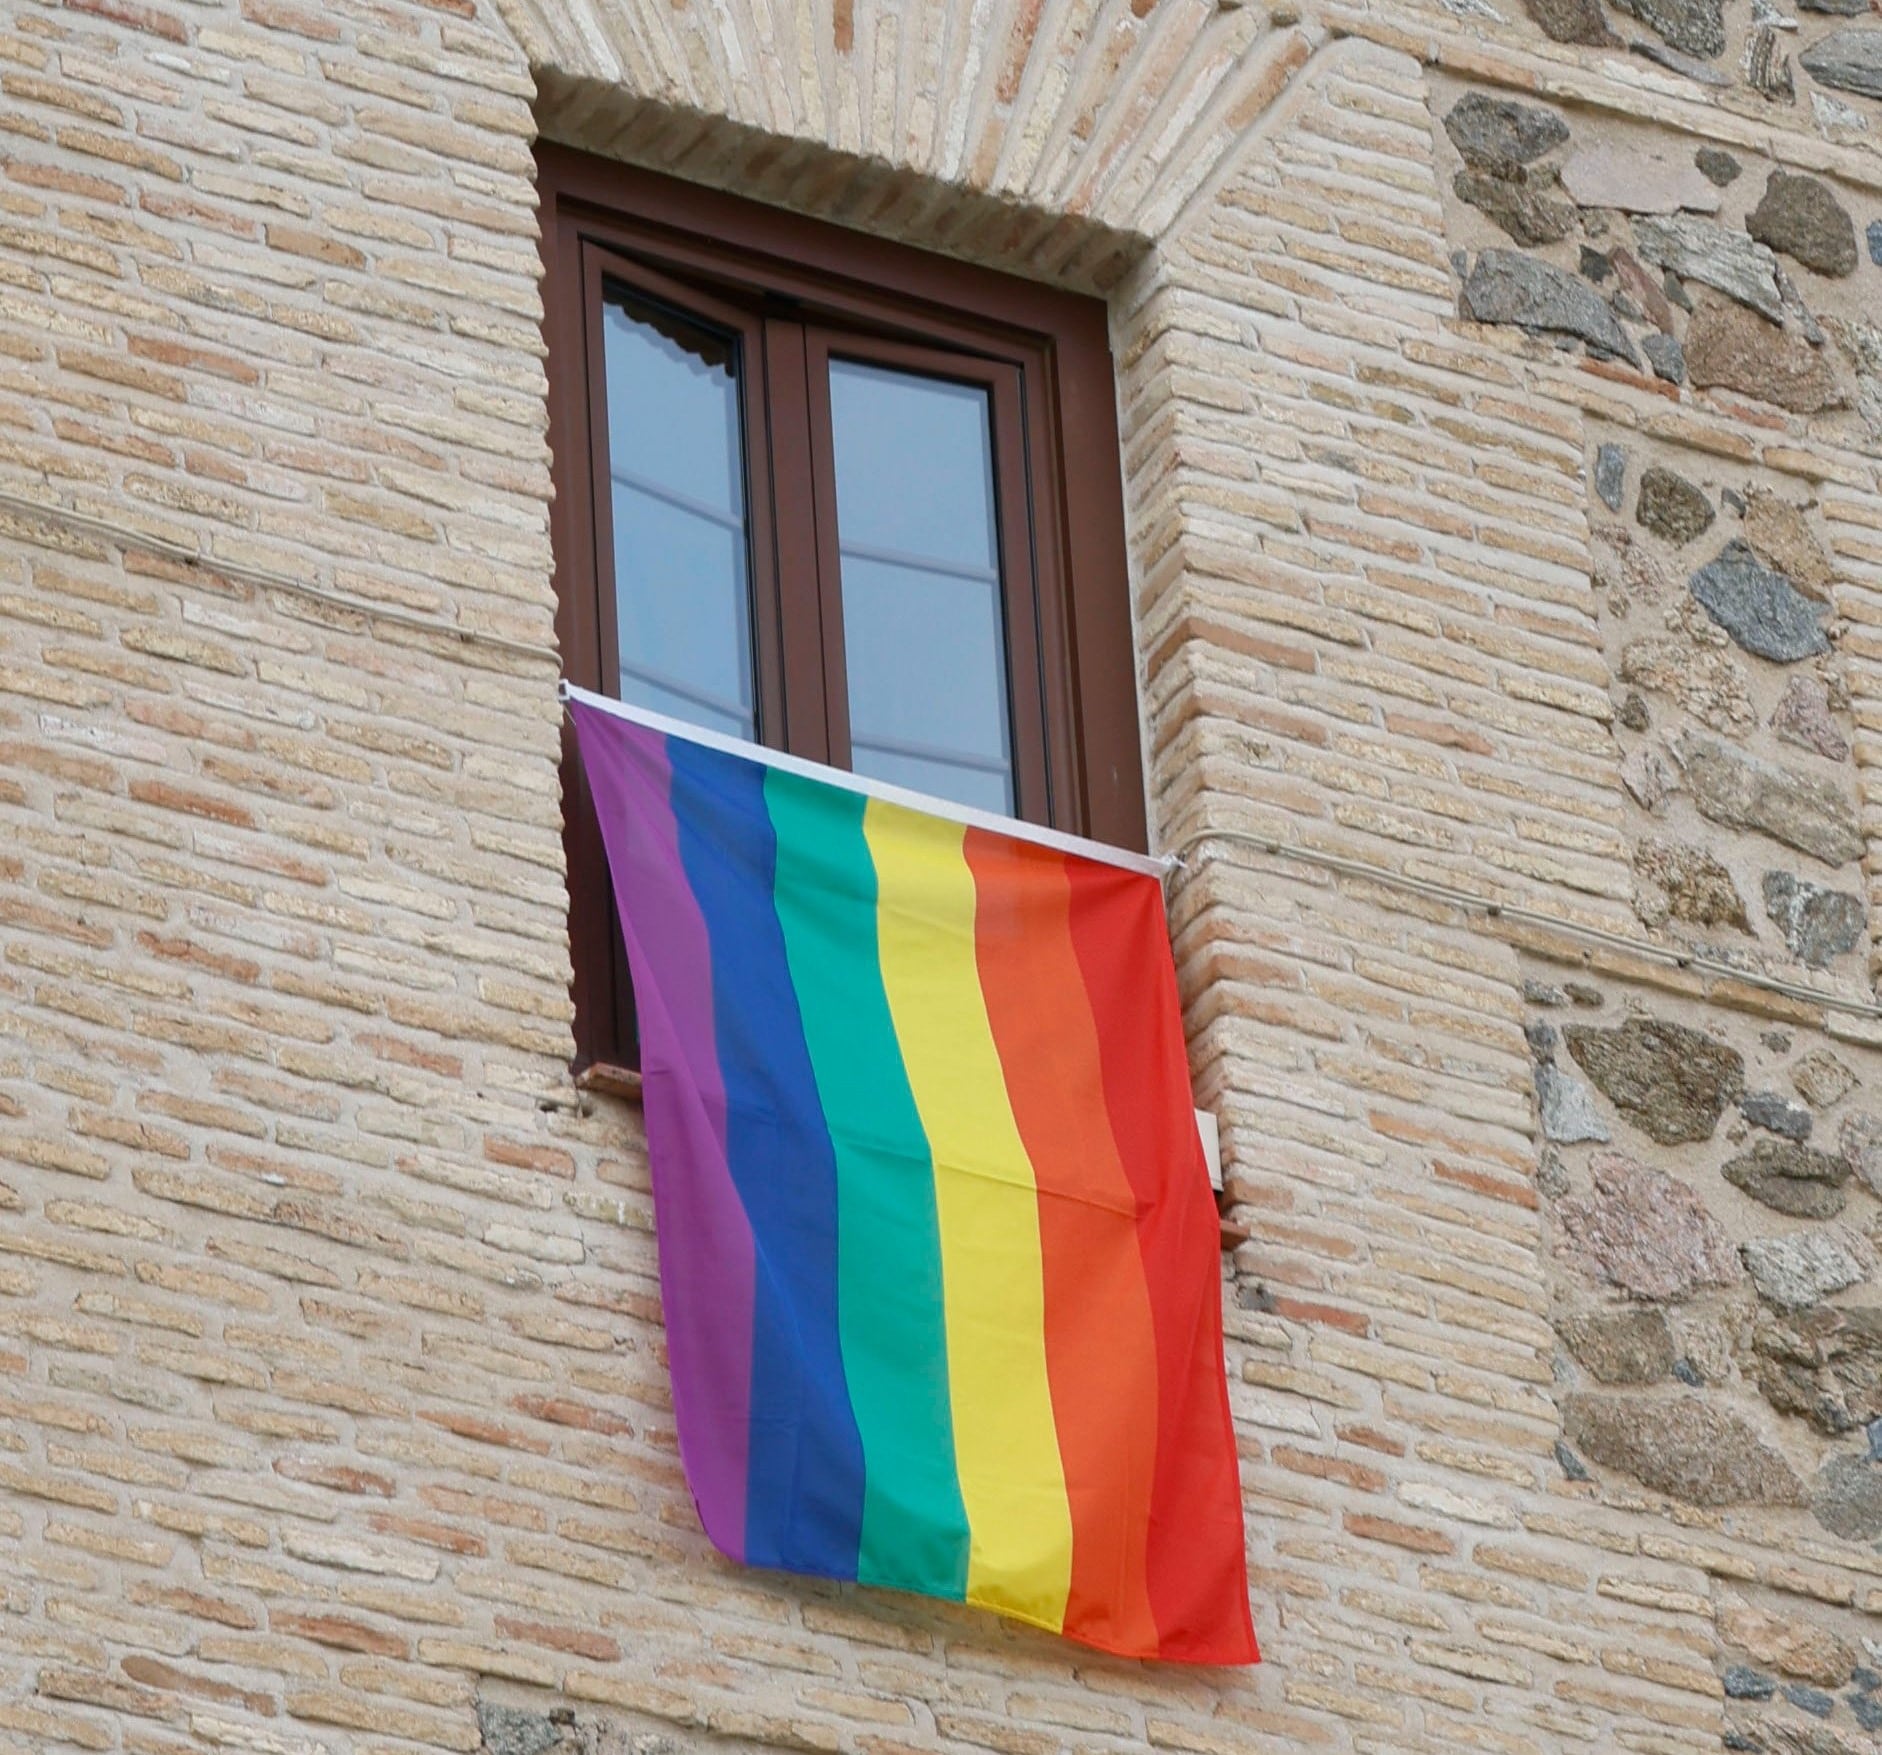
332,1402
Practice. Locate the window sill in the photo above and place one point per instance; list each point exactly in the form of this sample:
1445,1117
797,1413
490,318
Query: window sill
610,1081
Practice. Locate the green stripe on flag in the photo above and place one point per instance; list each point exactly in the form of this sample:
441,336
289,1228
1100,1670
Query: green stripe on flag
890,1311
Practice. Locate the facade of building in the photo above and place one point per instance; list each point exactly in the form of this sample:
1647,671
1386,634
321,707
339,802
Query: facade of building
1498,391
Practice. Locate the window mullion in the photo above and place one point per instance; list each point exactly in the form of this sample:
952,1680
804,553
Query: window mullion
1038,778
820,452
803,726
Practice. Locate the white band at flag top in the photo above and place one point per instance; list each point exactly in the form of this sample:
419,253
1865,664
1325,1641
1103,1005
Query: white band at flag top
1147,864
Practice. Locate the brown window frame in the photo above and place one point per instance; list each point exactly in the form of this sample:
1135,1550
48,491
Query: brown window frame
794,288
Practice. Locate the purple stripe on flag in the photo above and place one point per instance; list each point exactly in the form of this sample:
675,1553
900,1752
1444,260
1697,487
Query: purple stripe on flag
706,1250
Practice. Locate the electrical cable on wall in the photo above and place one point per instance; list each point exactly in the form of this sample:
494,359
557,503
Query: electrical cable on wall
1698,962
267,579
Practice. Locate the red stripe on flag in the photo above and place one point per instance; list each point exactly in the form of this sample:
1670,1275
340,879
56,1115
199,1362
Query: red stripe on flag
1197,1571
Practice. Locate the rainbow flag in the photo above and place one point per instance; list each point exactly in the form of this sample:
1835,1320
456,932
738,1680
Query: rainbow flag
938,1255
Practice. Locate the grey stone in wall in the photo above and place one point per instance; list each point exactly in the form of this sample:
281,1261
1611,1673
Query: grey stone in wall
1686,1446
1799,216
1823,1364
1791,1178
509,1730
1849,60
1501,142
1811,1700
1667,358
1776,1113
1520,207
1797,1271
1759,607
1621,1346
1610,476
1762,610
1567,1110
1572,21
1670,506
1687,66
1738,266
1671,1082
1507,288
1797,809
1694,27
1500,136
1818,924
1846,1498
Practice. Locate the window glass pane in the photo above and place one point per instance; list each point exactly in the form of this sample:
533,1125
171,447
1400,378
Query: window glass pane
681,543
923,610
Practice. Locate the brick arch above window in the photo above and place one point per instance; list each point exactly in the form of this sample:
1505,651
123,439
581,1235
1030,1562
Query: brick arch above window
1059,142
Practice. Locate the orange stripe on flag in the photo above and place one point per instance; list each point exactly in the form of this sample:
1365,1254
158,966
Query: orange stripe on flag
1100,1339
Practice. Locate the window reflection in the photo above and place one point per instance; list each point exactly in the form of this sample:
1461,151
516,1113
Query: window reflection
923,608
681,539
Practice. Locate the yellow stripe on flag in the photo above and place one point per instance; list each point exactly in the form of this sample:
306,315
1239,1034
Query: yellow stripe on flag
1005,1443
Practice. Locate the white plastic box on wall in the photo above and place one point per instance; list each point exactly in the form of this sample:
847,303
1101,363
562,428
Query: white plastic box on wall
1211,1146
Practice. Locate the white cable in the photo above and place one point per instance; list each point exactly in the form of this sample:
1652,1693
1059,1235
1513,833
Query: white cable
1699,961
266,578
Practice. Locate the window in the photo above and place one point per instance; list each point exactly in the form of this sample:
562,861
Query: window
834,495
